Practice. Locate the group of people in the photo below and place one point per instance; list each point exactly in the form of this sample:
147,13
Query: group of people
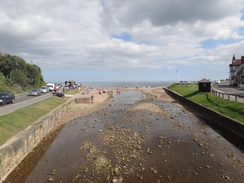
100,92
103,91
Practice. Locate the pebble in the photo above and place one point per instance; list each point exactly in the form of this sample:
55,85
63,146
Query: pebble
227,177
50,179
116,180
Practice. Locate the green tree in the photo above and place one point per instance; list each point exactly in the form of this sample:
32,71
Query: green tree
2,78
17,71
19,77
7,64
34,75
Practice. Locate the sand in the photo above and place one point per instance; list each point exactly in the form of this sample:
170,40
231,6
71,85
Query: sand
100,100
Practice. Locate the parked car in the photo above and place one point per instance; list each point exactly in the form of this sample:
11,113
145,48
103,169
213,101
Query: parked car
44,89
61,94
34,92
7,97
51,86
58,94
59,85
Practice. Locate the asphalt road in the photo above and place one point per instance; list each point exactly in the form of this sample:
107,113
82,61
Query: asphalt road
21,101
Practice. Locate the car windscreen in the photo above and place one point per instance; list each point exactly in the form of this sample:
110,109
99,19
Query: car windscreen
2,94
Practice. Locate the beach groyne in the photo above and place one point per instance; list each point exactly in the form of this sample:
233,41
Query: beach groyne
19,146
213,118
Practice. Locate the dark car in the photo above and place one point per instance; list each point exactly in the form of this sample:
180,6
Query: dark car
7,97
58,94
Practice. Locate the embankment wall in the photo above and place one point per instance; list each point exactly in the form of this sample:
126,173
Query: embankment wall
18,147
213,117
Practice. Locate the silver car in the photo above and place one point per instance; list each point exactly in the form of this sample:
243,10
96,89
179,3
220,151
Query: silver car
34,92
44,89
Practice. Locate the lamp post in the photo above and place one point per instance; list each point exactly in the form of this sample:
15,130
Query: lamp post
178,77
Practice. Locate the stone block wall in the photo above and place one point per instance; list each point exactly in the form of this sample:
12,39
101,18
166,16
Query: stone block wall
18,147
230,125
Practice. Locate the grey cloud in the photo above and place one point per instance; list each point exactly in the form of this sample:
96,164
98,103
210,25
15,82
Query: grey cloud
163,12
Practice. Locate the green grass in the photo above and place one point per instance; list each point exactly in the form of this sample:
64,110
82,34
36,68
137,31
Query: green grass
74,91
13,123
232,109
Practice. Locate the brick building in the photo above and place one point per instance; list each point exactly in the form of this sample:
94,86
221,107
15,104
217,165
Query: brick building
236,71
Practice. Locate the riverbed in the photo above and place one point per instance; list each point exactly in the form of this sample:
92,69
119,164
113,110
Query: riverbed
137,138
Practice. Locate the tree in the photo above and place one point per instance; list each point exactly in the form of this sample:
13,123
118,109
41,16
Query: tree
17,71
2,78
19,77
7,64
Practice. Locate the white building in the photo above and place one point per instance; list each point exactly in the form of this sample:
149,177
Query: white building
236,71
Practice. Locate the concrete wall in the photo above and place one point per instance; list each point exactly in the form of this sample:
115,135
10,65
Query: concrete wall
18,147
215,118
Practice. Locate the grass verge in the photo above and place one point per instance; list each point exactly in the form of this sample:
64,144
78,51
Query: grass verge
74,91
232,109
13,123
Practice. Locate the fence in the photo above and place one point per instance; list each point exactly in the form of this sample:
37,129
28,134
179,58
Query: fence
229,96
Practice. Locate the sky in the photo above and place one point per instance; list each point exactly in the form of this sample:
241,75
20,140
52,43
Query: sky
124,40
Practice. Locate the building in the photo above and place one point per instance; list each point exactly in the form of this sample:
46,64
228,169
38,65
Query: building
236,71
204,85
70,83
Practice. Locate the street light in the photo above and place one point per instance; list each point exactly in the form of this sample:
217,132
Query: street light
177,71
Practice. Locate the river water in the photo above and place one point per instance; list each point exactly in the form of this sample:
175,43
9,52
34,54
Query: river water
138,140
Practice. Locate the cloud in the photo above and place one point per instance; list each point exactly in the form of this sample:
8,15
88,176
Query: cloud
169,12
89,34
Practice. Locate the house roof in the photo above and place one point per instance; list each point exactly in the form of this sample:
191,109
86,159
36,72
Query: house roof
237,62
204,80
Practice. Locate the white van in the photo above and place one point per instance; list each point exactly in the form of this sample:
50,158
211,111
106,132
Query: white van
51,86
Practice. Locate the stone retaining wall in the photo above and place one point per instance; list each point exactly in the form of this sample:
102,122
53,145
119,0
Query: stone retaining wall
18,147
215,118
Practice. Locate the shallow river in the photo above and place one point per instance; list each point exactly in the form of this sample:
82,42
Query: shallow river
137,140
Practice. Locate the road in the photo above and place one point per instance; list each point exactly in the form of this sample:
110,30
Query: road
136,139
21,101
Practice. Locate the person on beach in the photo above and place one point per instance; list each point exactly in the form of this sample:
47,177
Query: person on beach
92,97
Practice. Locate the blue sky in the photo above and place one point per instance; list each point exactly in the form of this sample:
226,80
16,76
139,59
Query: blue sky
86,75
129,40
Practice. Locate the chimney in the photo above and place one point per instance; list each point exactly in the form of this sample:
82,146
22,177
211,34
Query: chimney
233,57
242,59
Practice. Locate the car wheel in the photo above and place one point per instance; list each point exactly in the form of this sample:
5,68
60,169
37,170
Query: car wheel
3,103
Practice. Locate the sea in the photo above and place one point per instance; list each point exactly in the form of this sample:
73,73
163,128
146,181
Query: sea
127,84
